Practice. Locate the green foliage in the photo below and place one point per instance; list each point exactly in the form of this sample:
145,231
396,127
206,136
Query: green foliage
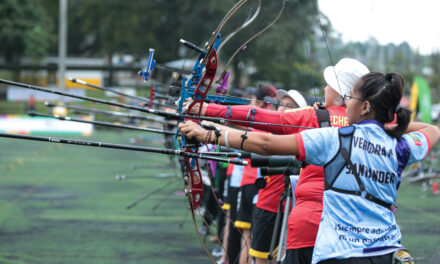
283,53
390,58
435,78
105,28
291,54
115,26
24,29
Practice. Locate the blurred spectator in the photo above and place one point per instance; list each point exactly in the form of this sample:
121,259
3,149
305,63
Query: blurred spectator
31,103
265,97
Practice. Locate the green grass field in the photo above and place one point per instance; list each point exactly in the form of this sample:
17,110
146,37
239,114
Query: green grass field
62,204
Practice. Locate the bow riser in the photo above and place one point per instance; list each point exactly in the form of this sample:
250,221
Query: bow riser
203,86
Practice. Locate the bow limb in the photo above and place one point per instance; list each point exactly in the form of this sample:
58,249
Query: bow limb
252,38
240,28
212,42
196,183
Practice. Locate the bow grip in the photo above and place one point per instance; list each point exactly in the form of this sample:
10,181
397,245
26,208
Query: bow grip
192,143
208,127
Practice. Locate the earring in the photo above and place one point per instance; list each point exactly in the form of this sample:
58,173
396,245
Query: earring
368,109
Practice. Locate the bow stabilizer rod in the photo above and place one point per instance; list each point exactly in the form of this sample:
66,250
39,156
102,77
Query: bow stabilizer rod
145,110
121,177
96,100
100,123
79,109
205,156
145,100
79,81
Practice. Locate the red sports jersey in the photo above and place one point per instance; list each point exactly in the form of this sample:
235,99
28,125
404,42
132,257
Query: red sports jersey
304,219
269,196
250,174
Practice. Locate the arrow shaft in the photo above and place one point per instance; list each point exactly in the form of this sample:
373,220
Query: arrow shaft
125,147
100,101
145,110
107,124
111,113
116,92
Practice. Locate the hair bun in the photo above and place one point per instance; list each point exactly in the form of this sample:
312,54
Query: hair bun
389,77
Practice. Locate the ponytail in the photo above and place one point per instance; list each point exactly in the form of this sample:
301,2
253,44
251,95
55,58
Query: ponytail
403,116
384,92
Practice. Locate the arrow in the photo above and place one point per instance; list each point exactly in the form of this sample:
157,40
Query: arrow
99,123
204,156
75,80
104,112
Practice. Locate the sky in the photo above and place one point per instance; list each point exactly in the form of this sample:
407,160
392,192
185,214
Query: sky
414,21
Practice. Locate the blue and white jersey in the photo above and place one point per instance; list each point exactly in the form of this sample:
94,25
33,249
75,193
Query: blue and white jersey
351,225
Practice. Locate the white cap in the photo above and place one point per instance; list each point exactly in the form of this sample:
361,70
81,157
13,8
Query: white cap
294,95
348,71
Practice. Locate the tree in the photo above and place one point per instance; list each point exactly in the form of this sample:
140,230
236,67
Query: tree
435,78
24,30
103,28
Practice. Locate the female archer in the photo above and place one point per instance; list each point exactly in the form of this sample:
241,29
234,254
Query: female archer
305,217
362,162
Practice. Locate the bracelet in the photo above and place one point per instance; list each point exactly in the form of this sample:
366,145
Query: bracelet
208,137
226,138
244,137
218,134
218,139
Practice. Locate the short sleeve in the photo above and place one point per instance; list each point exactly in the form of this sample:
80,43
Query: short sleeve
418,144
318,146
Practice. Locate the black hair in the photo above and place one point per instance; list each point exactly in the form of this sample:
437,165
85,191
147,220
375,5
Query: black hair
384,92
265,90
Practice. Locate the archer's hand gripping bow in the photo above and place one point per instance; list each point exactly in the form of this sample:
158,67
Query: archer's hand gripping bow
196,87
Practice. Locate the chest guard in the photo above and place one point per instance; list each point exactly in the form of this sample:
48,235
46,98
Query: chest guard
334,167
